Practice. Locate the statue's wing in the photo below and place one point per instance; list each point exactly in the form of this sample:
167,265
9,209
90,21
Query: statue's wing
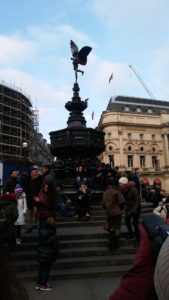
82,55
74,48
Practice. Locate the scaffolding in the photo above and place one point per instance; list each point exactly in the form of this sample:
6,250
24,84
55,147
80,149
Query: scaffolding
15,122
35,118
19,123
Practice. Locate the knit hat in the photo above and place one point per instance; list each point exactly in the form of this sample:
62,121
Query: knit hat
123,180
18,189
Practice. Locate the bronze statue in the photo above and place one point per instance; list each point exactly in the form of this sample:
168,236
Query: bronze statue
79,57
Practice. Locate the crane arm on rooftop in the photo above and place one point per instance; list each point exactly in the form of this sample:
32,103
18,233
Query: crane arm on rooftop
141,81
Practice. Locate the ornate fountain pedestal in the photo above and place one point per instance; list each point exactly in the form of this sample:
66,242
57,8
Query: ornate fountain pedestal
76,144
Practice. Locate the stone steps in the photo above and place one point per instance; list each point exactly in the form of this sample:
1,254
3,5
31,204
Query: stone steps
93,217
83,249
78,262
76,273
93,220
88,222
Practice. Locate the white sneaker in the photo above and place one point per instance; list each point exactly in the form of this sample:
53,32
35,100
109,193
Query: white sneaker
87,214
37,287
18,241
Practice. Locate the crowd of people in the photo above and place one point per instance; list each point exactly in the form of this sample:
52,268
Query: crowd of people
118,197
40,196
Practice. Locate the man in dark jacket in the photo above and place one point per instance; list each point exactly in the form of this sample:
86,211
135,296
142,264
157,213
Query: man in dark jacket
46,170
49,176
10,183
33,188
133,175
132,207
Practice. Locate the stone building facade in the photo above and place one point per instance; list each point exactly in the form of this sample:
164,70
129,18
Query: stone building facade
137,135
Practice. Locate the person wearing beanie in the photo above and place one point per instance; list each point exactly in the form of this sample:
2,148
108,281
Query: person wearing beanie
22,208
18,189
123,180
132,208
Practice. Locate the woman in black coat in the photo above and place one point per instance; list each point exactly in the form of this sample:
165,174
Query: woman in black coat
47,252
82,201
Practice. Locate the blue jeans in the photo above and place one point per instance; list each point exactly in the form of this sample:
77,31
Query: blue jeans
132,221
43,273
63,209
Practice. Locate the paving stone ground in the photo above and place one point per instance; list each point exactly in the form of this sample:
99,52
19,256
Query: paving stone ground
78,289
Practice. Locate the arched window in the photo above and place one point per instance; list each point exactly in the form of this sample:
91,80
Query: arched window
126,108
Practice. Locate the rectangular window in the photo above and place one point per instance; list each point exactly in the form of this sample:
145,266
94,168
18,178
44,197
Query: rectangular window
111,160
141,136
129,136
142,161
153,137
130,161
154,161
109,135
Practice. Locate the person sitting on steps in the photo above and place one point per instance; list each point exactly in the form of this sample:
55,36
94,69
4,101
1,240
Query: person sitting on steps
82,201
62,201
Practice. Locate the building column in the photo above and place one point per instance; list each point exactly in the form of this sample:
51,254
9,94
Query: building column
121,147
166,148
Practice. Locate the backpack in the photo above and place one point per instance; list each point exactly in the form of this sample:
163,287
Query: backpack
157,230
3,219
8,212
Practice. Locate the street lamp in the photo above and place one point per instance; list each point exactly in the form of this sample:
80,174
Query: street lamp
24,149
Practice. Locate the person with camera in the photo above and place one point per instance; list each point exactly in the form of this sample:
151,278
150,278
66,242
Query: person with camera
162,209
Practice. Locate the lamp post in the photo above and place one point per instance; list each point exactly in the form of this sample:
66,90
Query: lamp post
24,149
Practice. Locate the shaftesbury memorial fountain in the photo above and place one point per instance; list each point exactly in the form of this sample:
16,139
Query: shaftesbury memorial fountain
77,144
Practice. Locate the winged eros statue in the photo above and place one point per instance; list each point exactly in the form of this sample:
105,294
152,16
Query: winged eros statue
79,57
